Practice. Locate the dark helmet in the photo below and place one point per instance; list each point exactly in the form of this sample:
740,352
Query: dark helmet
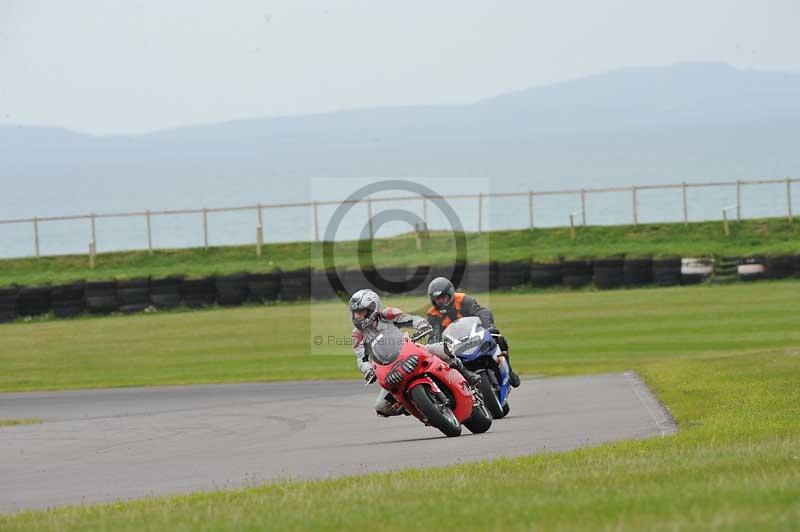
364,300
441,286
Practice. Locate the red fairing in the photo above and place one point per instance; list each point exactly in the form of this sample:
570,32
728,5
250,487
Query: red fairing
390,313
431,371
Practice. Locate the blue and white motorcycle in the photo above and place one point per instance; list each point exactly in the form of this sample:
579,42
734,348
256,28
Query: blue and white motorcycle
478,350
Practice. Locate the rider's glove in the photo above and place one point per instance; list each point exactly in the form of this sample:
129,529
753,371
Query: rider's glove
369,375
424,328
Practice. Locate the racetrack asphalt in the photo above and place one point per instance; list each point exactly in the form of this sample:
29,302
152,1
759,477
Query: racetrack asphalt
114,444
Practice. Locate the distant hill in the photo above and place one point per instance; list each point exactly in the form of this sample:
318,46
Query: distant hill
687,121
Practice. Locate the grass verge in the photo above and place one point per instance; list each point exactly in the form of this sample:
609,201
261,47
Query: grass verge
20,421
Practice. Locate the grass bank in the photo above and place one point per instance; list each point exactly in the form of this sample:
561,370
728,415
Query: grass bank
767,236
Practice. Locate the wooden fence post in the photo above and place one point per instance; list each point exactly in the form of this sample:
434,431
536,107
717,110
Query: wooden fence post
94,229
36,234
316,222
259,240
725,227
571,226
738,200
789,198
635,207
530,209
425,211
369,218
685,205
92,251
583,207
205,228
149,234
480,212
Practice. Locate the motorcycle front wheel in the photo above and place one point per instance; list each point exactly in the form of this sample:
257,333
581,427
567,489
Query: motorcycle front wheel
490,398
438,415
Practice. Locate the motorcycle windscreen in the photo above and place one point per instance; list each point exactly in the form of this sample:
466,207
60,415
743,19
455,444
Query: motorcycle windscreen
386,347
464,336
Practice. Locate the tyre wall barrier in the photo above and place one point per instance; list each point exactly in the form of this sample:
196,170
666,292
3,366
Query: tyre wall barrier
232,290
796,260
513,274
68,300
609,273
264,287
101,297
780,266
480,277
726,270
8,303
166,293
576,273
34,301
696,270
199,292
752,269
638,271
667,271
296,285
545,274
133,295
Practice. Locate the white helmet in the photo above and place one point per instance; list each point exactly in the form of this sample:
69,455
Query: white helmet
364,300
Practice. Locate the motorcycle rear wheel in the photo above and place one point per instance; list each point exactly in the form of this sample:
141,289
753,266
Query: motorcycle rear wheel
430,408
480,421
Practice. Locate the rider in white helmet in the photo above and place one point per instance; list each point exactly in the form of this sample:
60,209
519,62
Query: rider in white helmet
370,320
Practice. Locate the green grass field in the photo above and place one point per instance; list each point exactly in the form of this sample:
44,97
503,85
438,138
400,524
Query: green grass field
769,236
552,333
725,360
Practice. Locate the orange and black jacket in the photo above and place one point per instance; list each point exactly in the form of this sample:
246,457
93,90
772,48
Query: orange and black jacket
461,306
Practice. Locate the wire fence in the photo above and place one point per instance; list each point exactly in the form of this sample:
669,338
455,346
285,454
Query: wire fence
480,200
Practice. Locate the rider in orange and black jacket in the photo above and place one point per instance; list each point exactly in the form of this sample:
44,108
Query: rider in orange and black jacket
449,305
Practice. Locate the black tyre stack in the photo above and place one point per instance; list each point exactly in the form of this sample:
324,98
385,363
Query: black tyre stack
8,303
726,270
780,266
667,271
321,285
576,273
34,301
513,274
232,290
165,293
264,287
480,277
133,295
752,269
609,273
101,297
199,292
796,261
296,285
696,270
545,274
637,271
68,300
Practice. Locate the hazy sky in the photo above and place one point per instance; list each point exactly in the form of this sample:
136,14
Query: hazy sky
131,66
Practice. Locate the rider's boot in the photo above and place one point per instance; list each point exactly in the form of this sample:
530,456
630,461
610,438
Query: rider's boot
513,378
472,378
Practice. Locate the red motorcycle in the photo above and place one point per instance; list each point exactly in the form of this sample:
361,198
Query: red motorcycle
426,386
